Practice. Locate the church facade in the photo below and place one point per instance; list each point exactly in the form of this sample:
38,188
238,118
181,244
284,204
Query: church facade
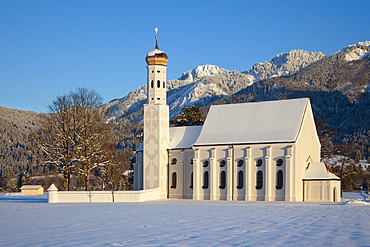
259,151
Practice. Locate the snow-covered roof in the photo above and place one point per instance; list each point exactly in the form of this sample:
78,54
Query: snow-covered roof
30,187
184,136
155,51
319,171
180,137
255,122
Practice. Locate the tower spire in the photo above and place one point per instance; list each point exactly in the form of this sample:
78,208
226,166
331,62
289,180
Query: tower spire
156,38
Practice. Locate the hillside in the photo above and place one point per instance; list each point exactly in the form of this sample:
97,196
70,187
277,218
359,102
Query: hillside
16,153
338,86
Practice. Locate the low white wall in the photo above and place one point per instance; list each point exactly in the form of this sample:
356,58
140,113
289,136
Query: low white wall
55,196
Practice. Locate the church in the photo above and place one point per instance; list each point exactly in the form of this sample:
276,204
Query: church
257,151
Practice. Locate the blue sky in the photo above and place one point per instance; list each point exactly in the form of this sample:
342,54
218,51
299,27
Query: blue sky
48,48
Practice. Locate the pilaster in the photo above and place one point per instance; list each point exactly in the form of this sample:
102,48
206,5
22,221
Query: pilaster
249,182
214,176
269,174
197,173
229,172
288,182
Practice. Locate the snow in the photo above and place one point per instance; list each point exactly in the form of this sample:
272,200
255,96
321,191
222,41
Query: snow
356,54
257,122
153,52
184,136
317,170
180,137
202,71
29,187
30,221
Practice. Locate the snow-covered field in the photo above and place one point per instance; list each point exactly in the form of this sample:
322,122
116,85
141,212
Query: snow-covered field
30,221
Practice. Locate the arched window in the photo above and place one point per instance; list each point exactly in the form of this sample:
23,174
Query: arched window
240,180
205,163
222,180
191,181
152,84
223,163
259,180
158,84
174,180
279,162
173,161
279,180
240,163
205,180
158,71
164,84
259,162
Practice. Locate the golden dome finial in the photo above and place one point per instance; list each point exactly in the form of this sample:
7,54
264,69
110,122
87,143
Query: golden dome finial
156,57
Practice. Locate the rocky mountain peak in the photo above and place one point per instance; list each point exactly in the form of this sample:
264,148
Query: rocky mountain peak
356,51
284,64
202,71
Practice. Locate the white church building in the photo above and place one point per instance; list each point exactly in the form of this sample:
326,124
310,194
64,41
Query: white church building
259,151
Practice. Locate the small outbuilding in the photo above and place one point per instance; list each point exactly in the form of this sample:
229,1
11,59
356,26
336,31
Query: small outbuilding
321,184
32,190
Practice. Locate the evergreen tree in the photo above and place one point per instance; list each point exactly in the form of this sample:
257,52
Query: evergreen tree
189,116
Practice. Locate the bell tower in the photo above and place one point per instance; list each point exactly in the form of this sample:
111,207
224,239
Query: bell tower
156,122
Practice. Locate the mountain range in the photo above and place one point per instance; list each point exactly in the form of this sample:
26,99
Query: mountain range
338,86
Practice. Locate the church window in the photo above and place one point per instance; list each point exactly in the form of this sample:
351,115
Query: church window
205,180
240,163
152,71
158,84
240,180
279,180
205,163
259,162
174,180
191,181
222,163
158,71
152,84
259,180
279,162
173,161
223,180
164,84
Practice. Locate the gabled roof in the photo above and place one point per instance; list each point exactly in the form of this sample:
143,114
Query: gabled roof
255,122
30,187
319,171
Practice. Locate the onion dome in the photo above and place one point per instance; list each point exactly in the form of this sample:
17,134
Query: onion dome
156,56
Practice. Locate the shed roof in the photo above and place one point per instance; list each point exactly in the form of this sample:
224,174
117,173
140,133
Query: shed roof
30,187
180,137
184,136
255,122
319,171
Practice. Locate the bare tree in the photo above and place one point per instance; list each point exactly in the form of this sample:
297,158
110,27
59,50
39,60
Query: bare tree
74,136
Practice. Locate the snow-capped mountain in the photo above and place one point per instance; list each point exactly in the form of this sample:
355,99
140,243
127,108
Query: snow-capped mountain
357,51
199,86
207,83
284,64
202,71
